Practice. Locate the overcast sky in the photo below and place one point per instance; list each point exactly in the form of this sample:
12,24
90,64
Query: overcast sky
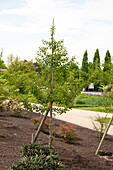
83,24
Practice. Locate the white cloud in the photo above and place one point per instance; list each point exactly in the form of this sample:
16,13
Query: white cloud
87,25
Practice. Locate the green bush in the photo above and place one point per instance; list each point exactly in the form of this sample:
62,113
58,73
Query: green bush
1,108
37,157
80,101
91,100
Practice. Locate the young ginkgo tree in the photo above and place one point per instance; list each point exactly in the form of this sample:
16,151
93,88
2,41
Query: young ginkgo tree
56,83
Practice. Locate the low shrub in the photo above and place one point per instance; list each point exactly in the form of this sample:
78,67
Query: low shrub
37,157
68,132
2,108
37,121
15,107
100,126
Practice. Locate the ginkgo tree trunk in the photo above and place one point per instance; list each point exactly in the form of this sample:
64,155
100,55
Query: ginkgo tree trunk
50,124
56,83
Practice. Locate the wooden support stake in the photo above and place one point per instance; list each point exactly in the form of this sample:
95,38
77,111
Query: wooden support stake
42,122
32,138
40,126
50,128
106,130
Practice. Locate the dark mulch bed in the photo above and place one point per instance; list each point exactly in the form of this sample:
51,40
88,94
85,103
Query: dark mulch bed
79,155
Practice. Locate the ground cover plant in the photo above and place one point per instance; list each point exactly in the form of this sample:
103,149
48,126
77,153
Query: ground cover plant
80,154
38,157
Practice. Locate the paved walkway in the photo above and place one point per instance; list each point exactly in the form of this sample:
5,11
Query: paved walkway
83,118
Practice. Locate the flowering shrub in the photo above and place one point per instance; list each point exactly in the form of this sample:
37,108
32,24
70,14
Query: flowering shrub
15,107
37,121
67,131
93,93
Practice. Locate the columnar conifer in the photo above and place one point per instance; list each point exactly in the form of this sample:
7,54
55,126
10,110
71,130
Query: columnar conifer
96,60
107,62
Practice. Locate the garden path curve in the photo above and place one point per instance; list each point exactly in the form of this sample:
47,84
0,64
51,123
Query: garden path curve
83,118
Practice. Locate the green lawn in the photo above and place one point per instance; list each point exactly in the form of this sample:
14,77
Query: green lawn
93,103
105,121
92,108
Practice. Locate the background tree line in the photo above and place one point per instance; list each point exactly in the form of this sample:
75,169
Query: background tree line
21,73
99,73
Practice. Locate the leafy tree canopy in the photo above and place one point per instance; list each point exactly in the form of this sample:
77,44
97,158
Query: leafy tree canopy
20,73
64,82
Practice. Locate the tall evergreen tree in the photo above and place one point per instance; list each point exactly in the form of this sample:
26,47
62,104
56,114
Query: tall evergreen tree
96,59
83,74
107,62
85,62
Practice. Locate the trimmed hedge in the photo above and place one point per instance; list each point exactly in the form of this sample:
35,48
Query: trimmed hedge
85,100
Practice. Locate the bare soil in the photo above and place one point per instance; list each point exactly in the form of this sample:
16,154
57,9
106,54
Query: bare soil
14,132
